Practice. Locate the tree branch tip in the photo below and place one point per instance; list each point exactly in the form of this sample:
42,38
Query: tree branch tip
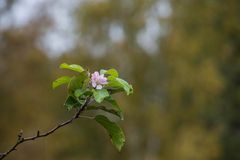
21,139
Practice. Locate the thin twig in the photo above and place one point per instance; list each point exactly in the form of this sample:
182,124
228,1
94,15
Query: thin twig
21,139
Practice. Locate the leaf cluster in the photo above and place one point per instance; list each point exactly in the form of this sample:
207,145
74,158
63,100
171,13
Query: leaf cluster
79,89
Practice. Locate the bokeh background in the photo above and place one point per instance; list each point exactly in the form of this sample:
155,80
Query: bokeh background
182,57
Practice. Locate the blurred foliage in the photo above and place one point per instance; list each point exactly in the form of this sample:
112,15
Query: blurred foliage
187,94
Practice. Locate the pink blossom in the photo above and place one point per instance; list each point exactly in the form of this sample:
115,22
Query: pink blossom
98,80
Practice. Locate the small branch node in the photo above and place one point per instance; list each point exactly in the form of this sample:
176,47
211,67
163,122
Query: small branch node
20,135
38,133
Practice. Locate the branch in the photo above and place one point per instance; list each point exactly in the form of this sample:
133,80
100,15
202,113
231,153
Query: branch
21,139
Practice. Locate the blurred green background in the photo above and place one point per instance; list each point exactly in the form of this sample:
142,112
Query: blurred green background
182,57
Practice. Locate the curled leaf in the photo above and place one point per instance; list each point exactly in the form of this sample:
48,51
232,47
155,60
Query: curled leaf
118,84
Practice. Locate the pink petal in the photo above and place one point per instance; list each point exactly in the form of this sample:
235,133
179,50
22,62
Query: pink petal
101,80
96,73
94,84
101,76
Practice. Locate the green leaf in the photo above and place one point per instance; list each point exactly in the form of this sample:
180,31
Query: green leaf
115,132
104,108
111,78
71,103
99,95
119,83
115,90
114,104
127,87
111,72
78,82
88,92
78,92
60,81
73,67
103,71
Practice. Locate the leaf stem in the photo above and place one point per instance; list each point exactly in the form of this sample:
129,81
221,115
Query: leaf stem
87,117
